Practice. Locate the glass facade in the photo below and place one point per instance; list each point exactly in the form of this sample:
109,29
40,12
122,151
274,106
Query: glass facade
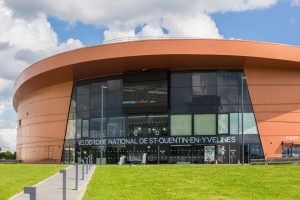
162,117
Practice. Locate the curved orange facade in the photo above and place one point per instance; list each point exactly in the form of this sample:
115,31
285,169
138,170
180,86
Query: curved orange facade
42,92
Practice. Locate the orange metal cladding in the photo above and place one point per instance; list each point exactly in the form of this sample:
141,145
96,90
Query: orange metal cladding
43,90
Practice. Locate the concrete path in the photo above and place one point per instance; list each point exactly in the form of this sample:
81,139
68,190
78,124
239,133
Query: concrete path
51,188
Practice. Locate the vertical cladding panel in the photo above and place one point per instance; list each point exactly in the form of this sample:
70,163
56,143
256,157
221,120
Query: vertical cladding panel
276,102
43,114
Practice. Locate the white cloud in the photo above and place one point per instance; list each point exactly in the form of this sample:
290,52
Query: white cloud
188,18
295,2
23,41
8,139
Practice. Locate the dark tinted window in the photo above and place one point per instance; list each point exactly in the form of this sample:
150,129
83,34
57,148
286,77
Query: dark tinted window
204,79
181,79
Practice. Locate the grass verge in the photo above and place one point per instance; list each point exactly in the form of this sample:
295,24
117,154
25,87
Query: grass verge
13,177
221,182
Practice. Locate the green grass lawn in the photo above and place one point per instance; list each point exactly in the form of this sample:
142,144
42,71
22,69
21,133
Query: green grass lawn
195,182
13,177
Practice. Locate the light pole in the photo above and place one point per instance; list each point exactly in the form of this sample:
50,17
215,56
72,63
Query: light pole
243,150
101,138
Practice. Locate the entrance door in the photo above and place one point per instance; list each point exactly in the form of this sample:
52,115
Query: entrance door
209,154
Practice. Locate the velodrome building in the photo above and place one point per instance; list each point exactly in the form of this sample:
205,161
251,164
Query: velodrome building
161,101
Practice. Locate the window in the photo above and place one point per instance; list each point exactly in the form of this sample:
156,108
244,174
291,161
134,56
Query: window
234,123
181,125
296,151
114,85
228,94
95,101
83,89
158,125
145,92
181,80
95,127
85,128
71,129
204,79
205,124
78,128
229,78
116,127
136,125
223,123
83,103
249,124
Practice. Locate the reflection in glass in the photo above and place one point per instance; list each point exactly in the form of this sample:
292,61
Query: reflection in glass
158,125
223,123
78,128
228,94
85,128
83,103
234,123
83,89
116,127
95,127
228,78
205,124
250,124
71,129
181,124
204,79
136,125
146,96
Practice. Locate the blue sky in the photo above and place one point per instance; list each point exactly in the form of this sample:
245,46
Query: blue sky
279,24
32,30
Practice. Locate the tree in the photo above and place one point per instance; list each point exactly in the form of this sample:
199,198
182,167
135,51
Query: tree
8,155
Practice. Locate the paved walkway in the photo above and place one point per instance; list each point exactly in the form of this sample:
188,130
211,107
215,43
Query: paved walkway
51,188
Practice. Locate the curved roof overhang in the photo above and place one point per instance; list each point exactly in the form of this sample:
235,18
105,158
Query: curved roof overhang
176,54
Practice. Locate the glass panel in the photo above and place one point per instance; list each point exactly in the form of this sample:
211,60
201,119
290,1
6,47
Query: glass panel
296,151
229,78
205,124
223,123
114,100
83,103
255,151
73,106
95,101
249,124
145,96
95,88
228,94
286,151
234,123
114,84
158,125
181,80
136,125
211,90
78,128
181,124
116,127
83,89
95,127
71,129
85,128
181,97
204,79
